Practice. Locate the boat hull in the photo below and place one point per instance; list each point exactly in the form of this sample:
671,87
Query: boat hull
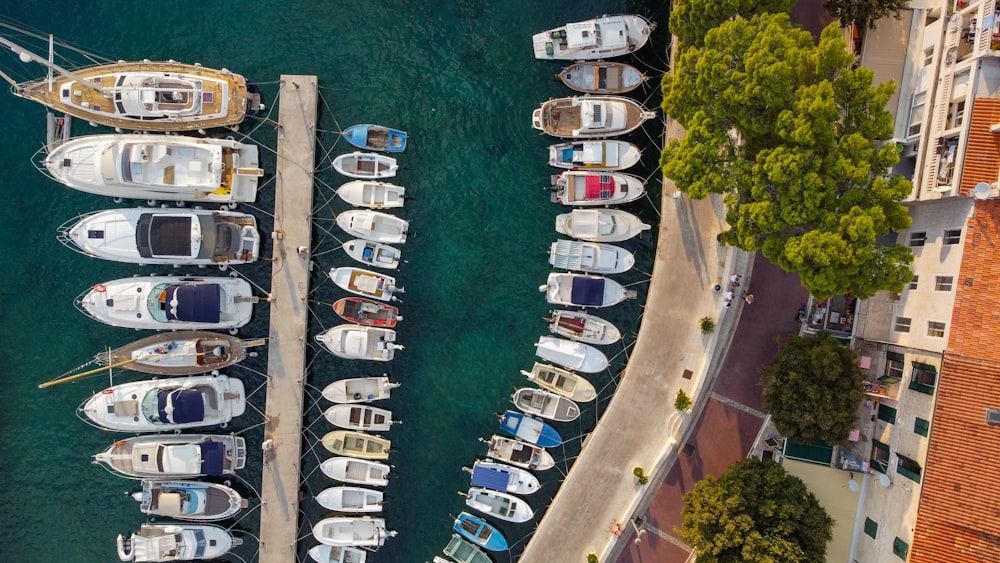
356,471
586,188
365,283
602,77
356,342
504,506
365,312
376,138
374,226
351,531
188,500
504,478
546,404
462,551
583,327
590,257
184,542
188,352
359,390
165,456
531,430
589,117
571,354
365,166
359,417
337,554
519,454
600,225
373,195
480,532
580,290
357,444
373,254
598,38
352,500
562,382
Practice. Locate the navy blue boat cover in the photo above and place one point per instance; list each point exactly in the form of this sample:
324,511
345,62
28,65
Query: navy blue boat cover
490,478
187,405
213,456
195,303
587,291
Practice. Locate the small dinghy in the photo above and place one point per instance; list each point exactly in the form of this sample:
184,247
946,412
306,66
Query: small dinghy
184,352
462,551
362,531
366,166
357,444
590,257
366,312
590,117
375,226
359,390
359,417
518,453
601,77
175,456
365,283
546,404
356,471
592,188
581,290
176,542
356,342
601,154
337,554
188,500
376,138
480,532
502,477
571,354
561,381
373,195
531,430
583,327
352,500
600,225
373,254
504,506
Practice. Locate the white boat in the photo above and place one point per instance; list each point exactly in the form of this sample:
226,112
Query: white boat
599,38
375,226
170,302
590,117
462,551
571,354
358,342
373,195
352,531
159,405
584,327
561,381
183,352
337,554
504,506
581,290
590,257
176,542
359,417
359,390
545,404
163,167
502,477
373,254
163,236
518,453
365,283
188,500
581,188
601,77
600,225
352,500
168,456
367,166
601,154
356,471
356,444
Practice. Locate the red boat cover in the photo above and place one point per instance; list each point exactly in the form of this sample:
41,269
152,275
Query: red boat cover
600,187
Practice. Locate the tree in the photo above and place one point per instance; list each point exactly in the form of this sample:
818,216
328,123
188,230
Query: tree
690,20
865,13
790,133
755,512
813,389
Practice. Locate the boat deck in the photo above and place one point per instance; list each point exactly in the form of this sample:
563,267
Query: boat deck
561,118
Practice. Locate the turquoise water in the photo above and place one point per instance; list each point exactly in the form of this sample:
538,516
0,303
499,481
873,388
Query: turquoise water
461,79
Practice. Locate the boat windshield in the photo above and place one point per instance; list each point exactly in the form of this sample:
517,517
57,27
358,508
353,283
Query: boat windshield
156,302
150,406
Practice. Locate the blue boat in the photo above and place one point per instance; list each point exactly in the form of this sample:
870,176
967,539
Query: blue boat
480,532
530,429
376,138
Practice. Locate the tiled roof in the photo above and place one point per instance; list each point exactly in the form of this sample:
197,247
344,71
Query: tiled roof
982,151
975,321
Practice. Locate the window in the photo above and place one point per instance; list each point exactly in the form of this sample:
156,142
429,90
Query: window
935,329
959,114
900,548
992,416
880,456
902,324
952,236
894,365
913,282
921,427
924,378
918,239
917,108
886,413
908,468
871,528
928,59
943,283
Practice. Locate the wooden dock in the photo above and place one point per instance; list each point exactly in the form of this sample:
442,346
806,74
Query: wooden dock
286,361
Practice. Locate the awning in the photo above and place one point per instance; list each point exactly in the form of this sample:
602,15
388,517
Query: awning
925,367
490,478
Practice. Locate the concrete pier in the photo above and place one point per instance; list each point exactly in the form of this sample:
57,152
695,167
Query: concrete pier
286,360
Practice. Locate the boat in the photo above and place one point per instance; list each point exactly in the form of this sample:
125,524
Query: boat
571,354
600,154
373,253
583,327
600,225
376,138
531,430
499,505
582,290
337,554
363,531
589,117
159,405
170,302
502,477
188,500
590,257
359,417
356,342
561,381
366,312
163,236
352,500
590,188
373,195
356,471
170,456
359,390
375,226
462,551
176,542
519,454
598,38
366,166
545,404
365,283
164,167
601,77
184,352
480,532
357,444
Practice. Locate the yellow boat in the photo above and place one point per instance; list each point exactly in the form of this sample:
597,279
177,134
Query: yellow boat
357,444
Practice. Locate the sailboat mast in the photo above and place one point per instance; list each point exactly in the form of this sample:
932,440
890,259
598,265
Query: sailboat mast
29,56
51,60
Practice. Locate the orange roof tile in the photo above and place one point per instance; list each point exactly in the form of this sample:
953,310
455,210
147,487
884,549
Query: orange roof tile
982,150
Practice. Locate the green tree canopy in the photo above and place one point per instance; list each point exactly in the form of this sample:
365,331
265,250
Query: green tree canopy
813,389
755,512
690,20
790,133
865,13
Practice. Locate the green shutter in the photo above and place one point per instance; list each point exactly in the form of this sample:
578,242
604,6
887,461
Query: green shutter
895,356
871,528
922,388
921,426
925,367
886,413
900,548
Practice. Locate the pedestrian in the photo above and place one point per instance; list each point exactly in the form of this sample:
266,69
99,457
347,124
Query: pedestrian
302,250
734,281
748,297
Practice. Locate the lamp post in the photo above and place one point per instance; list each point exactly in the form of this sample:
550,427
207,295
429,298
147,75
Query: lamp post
638,524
